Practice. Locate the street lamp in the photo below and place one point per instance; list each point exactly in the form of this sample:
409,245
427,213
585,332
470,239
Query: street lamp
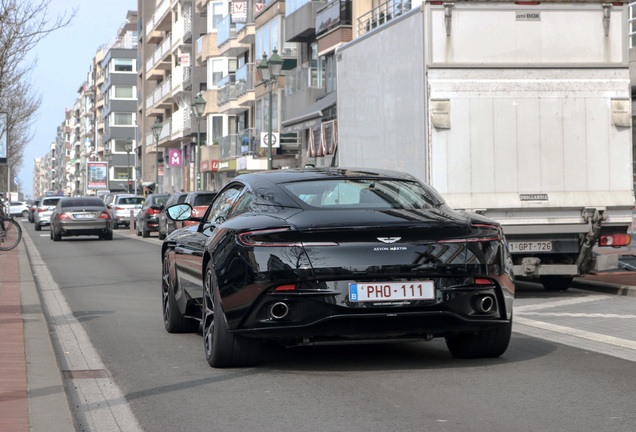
156,131
199,107
269,71
129,144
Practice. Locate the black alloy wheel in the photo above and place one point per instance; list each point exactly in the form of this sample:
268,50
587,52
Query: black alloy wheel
222,348
173,320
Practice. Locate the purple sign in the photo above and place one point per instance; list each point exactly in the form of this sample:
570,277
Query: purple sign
174,158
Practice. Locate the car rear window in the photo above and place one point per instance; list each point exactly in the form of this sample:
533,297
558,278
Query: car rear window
50,201
363,193
203,199
131,200
161,200
82,202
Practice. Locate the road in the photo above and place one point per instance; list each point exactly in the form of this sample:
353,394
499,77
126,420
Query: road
569,366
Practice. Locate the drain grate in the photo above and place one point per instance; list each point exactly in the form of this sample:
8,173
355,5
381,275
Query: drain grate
85,374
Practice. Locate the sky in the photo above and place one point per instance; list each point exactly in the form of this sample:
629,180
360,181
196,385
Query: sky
64,59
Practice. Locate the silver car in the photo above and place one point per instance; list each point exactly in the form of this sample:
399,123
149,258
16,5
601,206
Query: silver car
81,216
42,215
121,207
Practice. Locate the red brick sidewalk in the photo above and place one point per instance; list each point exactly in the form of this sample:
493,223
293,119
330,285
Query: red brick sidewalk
14,405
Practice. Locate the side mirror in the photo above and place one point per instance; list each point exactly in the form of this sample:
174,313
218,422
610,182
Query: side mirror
179,212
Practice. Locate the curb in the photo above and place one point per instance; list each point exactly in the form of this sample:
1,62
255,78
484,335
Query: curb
604,287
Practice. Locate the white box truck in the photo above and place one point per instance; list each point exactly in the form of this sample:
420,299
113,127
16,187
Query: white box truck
520,111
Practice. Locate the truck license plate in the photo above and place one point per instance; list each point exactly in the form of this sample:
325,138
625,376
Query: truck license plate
391,291
538,246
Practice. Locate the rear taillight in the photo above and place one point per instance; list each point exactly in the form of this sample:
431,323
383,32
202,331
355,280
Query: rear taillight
104,215
276,238
40,210
283,288
483,281
615,240
152,211
63,216
119,208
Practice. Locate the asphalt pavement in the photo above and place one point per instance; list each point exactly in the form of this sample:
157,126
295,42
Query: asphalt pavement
32,383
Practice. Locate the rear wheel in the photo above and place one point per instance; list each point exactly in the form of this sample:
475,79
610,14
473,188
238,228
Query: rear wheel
38,227
173,320
55,236
222,348
25,214
108,235
491,342
144,231
556,283
10,234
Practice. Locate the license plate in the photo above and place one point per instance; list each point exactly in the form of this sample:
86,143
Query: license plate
391,291
538,246
84,215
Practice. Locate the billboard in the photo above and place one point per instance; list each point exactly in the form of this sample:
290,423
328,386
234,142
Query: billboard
4,140
97,175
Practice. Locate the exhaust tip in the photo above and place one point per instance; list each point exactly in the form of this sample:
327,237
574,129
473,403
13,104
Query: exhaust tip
484,303
279,310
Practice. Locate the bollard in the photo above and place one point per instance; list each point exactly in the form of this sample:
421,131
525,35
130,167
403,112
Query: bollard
131,223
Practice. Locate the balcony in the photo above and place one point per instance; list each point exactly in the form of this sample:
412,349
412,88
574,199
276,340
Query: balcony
237,145
158,22
160,60
227,95
207,47
382,14
246,32
157,100
300,25
228,45
245,85
334,15
181,79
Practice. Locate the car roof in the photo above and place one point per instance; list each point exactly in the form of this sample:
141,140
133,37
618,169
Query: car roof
297,174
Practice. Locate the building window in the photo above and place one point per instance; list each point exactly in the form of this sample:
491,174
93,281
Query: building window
216,11
122,119
123,65
124,92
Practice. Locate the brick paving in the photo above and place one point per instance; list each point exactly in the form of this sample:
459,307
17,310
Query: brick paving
14,404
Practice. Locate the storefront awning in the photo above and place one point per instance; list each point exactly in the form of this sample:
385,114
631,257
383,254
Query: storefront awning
311,116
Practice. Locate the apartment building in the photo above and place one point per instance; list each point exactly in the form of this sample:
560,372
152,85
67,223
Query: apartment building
117,134
170,78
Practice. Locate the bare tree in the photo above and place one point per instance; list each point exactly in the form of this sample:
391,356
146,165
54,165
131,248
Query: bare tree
23,23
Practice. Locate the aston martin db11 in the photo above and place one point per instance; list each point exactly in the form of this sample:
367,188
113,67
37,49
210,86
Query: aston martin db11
335,255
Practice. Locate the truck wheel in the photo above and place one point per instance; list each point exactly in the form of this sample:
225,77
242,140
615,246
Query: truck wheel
491,342
556,283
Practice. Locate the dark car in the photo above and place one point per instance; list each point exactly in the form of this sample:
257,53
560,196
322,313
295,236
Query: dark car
147,219
81,216
200,201
165,224
32,209
333,255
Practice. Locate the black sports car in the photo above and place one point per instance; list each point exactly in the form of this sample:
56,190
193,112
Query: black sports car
335,255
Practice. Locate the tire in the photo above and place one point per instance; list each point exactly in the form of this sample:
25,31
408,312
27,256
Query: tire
38,227
162,236
222,348
108,235
25,214
55,236
137,230
173,320
115,226
556,283
11,234
144,231
488,343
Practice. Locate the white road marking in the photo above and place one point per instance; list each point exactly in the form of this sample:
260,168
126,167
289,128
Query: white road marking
558,303
575,315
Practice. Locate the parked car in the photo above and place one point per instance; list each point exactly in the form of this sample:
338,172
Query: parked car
32,209
200,201
19,208
147,219
308,256
121,207
42,216
165,225
81,216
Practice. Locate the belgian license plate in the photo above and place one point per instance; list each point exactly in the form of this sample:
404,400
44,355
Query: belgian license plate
536,246
391,291
84,215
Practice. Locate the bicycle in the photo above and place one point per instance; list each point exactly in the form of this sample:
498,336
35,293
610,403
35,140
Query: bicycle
10,231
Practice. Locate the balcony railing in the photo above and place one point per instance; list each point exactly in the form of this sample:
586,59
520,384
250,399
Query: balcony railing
244,79
161,9
382,14
237,145
333,15
225,31
301,79
226,89
162,49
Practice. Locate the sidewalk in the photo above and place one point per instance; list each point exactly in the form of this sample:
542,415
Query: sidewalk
32,395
